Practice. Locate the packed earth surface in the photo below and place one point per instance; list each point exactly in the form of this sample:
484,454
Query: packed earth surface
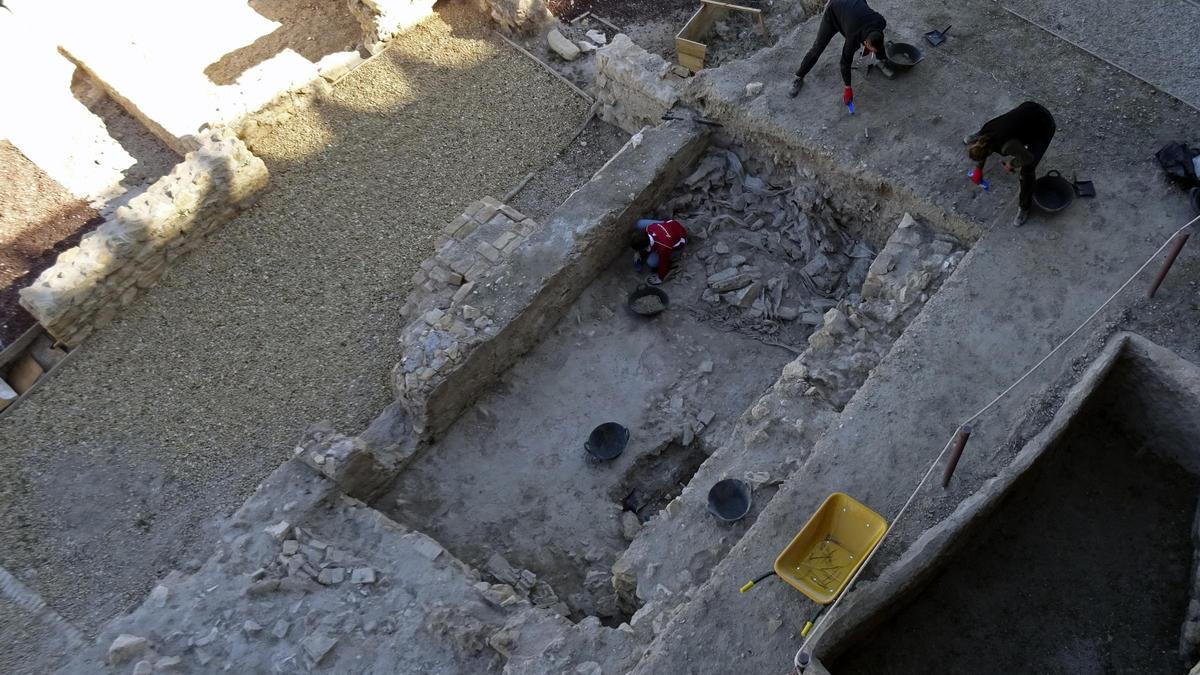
366,370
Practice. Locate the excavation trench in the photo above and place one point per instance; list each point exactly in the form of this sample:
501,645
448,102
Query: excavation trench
509,487
1083,562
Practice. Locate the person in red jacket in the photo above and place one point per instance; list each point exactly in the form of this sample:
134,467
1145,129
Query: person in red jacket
658,242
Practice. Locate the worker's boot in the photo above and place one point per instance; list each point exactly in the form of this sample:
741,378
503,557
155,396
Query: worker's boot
796,84
1022,216
886,70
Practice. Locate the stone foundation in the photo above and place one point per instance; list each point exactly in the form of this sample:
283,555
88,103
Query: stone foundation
116,263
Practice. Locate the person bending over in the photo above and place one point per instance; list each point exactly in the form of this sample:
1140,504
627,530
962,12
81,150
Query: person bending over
658,242
860,25
1022,136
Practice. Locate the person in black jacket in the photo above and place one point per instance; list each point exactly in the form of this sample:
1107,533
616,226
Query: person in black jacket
1022,135
860,25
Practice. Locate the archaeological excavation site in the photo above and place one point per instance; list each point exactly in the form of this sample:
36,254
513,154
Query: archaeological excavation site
593,337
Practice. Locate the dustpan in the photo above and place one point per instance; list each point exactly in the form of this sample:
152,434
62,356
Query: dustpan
937,37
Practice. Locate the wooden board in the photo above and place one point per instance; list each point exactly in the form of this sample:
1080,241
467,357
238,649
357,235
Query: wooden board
690,45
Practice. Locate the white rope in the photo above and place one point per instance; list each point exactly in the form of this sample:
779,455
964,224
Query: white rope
817,630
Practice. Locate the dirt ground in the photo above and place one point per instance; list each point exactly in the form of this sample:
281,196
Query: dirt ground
1149,38
1082,571
288,315
511,476
38,220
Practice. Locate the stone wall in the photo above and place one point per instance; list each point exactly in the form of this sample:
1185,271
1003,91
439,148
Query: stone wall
522,17
634,87
117,262
500,281
381,20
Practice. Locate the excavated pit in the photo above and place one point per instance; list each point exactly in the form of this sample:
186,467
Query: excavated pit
1084,564
508,487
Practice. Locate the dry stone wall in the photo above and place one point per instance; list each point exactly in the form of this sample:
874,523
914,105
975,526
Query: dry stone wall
115,264
634,87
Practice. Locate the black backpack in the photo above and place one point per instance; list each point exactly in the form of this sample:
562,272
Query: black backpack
1176,161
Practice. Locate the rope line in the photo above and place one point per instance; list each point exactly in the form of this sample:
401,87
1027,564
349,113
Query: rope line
818,630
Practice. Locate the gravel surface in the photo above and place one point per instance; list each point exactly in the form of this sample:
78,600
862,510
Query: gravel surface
287,316
575,165
38,220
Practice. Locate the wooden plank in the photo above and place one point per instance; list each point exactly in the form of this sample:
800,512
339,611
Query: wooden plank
727,6
691,54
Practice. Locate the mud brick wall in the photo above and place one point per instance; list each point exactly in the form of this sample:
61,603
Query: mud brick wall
114,265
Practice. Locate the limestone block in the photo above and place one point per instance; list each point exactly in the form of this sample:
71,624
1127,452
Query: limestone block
560,45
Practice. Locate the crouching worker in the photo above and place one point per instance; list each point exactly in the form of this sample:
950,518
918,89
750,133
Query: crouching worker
1022,136
658,242
860,25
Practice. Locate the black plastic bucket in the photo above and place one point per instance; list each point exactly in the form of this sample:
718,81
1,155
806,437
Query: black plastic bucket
607,441
901,56
730,499
1052,192
648,292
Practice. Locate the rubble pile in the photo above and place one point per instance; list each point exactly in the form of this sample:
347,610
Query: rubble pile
855,336
776,253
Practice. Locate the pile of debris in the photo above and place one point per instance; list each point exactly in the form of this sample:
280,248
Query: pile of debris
776,253
855,336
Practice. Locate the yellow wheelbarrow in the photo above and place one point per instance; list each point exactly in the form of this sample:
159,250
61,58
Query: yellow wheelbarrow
831,546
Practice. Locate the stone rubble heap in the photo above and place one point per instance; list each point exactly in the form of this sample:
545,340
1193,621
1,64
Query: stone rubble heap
855,336
774,251
305,579
520,17
115,264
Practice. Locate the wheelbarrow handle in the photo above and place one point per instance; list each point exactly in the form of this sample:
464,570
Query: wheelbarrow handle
750,584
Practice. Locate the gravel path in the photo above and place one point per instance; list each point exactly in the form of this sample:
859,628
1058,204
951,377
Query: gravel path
288,316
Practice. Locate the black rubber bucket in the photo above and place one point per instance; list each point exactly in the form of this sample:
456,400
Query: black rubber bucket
1052,192
607,441
901,56
652,308
730,499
